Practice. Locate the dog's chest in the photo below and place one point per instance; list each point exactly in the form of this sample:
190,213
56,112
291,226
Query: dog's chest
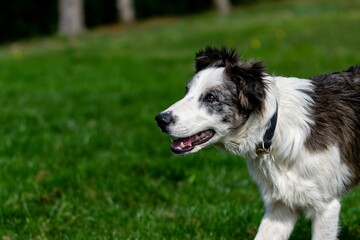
300,185
279,185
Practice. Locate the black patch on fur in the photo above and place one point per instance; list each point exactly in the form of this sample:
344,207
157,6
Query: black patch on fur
214,57
250,84
215,106
225,120
248,76
336,114
226,104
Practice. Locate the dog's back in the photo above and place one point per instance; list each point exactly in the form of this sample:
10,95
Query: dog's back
336,114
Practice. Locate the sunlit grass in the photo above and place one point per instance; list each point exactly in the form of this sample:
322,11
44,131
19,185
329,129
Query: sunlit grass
82,158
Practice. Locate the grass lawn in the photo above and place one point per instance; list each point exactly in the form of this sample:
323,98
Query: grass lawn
82,158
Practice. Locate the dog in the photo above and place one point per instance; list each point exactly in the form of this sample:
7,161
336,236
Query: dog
300,137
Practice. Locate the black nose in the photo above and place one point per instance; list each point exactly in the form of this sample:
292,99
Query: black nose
164,119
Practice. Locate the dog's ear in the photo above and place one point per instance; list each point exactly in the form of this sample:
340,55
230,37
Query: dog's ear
214,57
248,78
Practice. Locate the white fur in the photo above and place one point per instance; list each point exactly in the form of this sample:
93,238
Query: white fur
190,118
291,179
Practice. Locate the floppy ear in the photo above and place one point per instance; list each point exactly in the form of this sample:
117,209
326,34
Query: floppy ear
249,80
214,57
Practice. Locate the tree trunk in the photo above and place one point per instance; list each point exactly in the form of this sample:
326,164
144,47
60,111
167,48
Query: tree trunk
222,6
126,11
71,17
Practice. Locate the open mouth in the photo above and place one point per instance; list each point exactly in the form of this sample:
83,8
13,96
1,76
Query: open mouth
183,145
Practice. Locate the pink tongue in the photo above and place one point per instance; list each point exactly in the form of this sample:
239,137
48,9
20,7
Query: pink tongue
186,141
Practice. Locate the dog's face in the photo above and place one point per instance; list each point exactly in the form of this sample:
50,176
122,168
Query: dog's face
219,99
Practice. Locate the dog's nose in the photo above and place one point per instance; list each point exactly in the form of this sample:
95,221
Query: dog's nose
164,119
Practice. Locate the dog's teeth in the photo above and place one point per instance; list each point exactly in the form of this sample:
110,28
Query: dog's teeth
182,145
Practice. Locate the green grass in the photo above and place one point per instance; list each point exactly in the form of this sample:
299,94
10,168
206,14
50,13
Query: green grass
82,158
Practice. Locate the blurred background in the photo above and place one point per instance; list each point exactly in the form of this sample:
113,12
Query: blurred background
81,82
24,18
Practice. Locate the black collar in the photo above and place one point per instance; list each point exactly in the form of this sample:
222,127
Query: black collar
269,134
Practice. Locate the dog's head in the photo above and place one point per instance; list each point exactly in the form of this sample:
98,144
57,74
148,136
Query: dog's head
219,99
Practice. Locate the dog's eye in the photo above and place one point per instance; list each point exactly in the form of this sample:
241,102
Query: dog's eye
210,98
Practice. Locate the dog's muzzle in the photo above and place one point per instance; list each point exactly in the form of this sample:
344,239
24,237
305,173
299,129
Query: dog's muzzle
164,120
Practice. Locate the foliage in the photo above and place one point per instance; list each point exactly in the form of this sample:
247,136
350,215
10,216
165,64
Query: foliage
100,12
82,158
26,18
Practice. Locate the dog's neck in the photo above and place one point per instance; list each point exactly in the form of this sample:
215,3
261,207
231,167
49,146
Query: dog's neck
292,127
258,132
265,145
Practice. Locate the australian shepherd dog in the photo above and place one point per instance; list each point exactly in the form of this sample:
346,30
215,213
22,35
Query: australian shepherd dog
301,137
